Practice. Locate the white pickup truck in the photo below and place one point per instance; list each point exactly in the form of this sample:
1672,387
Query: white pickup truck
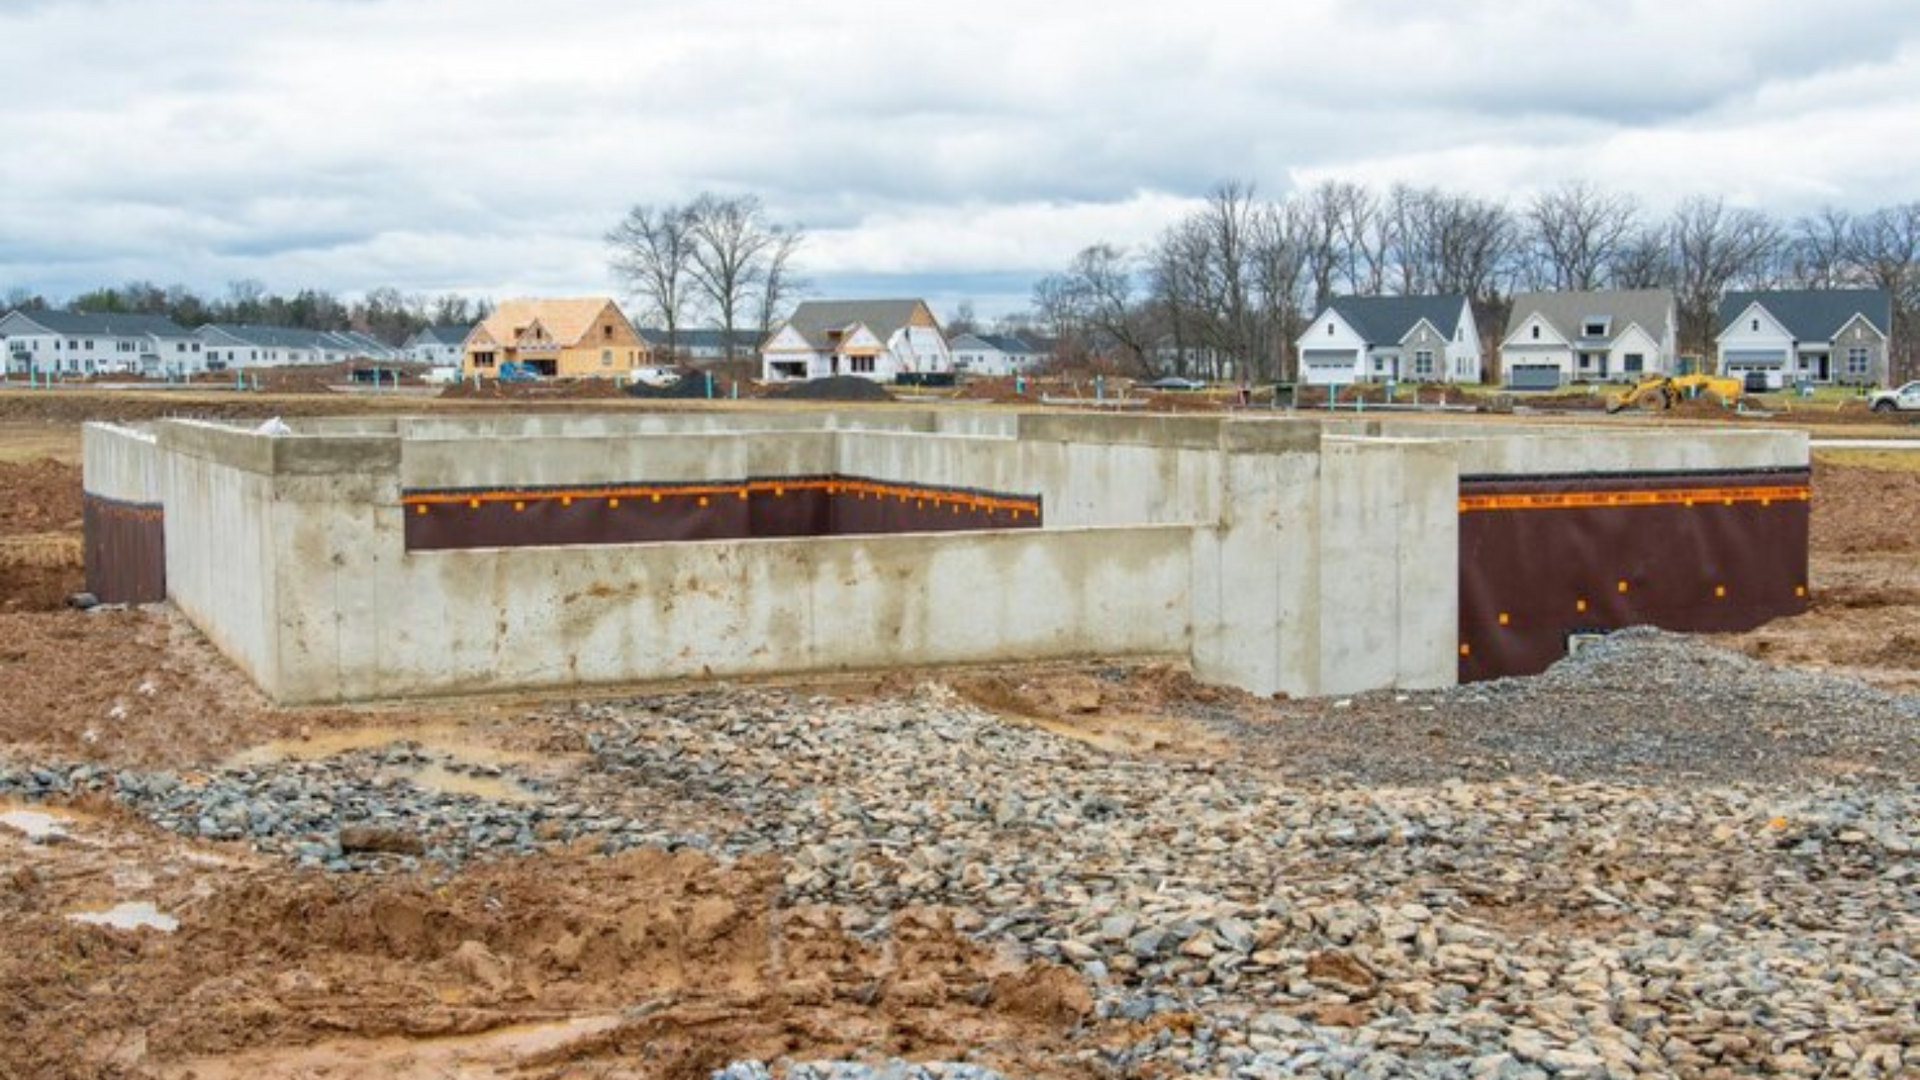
1903,399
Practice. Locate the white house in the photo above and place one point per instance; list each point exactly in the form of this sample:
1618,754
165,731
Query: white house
994,354
1391,339
1618,335
80,343
874,339
440,346
1806,335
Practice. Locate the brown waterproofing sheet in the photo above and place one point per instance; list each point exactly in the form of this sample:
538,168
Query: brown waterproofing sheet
126,550
1543,558
760,508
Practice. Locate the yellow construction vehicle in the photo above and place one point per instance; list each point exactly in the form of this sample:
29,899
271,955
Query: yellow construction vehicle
1662,392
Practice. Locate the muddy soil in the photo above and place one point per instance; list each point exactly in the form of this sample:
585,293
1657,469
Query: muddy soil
648,964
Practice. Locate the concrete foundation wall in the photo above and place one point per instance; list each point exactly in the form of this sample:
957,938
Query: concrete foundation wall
1281,555
121,463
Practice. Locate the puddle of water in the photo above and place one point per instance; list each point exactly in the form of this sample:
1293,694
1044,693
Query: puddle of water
35,824
444,781
131,915
450,740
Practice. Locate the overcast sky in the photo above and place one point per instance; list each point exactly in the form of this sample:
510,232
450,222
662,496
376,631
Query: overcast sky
947,150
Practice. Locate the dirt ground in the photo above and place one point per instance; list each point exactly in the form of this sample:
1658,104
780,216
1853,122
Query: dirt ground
647,963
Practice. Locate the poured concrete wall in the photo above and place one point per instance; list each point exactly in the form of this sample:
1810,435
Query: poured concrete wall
1281,555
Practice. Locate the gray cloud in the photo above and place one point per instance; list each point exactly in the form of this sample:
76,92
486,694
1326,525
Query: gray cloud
485,145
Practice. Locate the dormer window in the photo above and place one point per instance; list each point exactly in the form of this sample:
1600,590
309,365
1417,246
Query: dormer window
1594,327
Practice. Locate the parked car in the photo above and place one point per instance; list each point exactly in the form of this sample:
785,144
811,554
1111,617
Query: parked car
1903,399
1176,382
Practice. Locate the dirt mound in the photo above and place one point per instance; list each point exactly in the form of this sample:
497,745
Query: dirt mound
834,388
1857,510
680,961
137,687
38,497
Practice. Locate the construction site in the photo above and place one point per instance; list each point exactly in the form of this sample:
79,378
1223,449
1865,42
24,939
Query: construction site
414,737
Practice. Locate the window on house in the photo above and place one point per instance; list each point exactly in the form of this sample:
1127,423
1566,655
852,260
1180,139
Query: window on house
1595,328
1635,361
606,333
1754,326
606,357
1329,329
861,365
1857,361
1423,364
1536,331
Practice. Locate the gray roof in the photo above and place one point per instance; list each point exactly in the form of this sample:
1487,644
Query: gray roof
444,335
1649,309
293,337
1813,314
815,318
1012,344
106,325
1384,319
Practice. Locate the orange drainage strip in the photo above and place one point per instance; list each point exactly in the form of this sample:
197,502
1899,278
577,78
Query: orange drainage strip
653,493
1567,500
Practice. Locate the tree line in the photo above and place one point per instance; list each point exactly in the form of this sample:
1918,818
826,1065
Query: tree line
716,258
1231,286
386,313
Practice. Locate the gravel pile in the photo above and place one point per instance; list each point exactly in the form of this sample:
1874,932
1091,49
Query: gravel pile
1557,916
1639,705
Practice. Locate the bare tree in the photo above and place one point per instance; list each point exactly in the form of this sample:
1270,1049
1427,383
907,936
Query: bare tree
1819,249
652,248
1883,249
1576,230
1324,208
727,263
1277,254
1103,278
1644,260
778,282
1714,248
1366,239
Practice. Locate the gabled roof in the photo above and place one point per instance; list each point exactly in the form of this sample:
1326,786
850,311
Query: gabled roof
442,335
1648,309
814,320
271,337
1812,314
105,325
1383,320
565,320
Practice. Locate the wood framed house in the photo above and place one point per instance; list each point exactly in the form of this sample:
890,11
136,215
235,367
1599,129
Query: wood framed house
1613,335
578,338
1427,339
1790,336
874,339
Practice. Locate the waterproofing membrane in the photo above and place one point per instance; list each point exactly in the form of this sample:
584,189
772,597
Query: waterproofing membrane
125,547
1546,558
758,508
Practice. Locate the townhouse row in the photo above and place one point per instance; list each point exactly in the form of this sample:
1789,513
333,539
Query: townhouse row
64,343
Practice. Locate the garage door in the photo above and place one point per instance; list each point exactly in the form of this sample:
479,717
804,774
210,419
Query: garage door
1533,376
